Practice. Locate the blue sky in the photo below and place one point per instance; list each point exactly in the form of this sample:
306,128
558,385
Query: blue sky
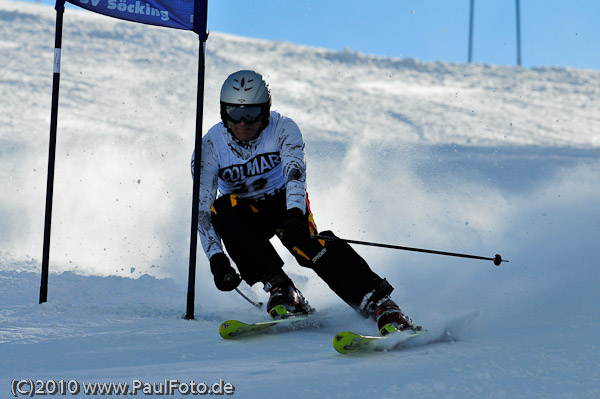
553,32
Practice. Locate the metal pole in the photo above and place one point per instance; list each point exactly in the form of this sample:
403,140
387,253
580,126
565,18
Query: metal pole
496,259
257,305
60,8
518,6
471,31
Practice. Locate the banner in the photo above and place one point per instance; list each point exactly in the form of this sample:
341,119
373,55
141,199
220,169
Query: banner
178,14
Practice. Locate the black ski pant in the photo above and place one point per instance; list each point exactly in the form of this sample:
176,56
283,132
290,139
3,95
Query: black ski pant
245,226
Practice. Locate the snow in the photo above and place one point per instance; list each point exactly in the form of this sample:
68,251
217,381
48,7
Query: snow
478,159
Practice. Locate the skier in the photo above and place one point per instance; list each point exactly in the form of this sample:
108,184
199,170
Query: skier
255,158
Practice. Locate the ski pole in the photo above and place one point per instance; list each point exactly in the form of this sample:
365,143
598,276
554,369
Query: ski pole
496,259
257,305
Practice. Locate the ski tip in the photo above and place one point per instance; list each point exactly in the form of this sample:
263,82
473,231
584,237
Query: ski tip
346,342
228,328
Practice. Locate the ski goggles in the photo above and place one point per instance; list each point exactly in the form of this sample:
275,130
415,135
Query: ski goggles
246,113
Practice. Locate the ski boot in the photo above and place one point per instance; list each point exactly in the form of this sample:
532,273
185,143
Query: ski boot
378,305
285,299
390,318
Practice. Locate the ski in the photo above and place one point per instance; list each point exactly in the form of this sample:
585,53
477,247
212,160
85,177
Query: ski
234,328
349,342
447,331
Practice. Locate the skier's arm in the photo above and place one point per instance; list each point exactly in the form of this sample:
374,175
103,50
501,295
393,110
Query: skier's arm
291,147
211,242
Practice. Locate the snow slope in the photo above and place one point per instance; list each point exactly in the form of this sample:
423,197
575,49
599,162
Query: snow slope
467,158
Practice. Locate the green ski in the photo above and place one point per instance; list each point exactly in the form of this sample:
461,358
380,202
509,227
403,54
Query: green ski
349,342
235,328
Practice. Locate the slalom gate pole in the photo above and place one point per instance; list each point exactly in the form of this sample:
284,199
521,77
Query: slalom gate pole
496,259
189,312
60,8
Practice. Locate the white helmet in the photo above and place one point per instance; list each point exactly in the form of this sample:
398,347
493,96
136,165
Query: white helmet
245,88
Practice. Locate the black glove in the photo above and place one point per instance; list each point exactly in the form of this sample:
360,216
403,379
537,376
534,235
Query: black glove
226,278
295,228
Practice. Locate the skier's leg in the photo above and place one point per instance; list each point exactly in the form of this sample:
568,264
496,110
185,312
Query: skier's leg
245,227
246,237
336,262
348,274
351,278
284,296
